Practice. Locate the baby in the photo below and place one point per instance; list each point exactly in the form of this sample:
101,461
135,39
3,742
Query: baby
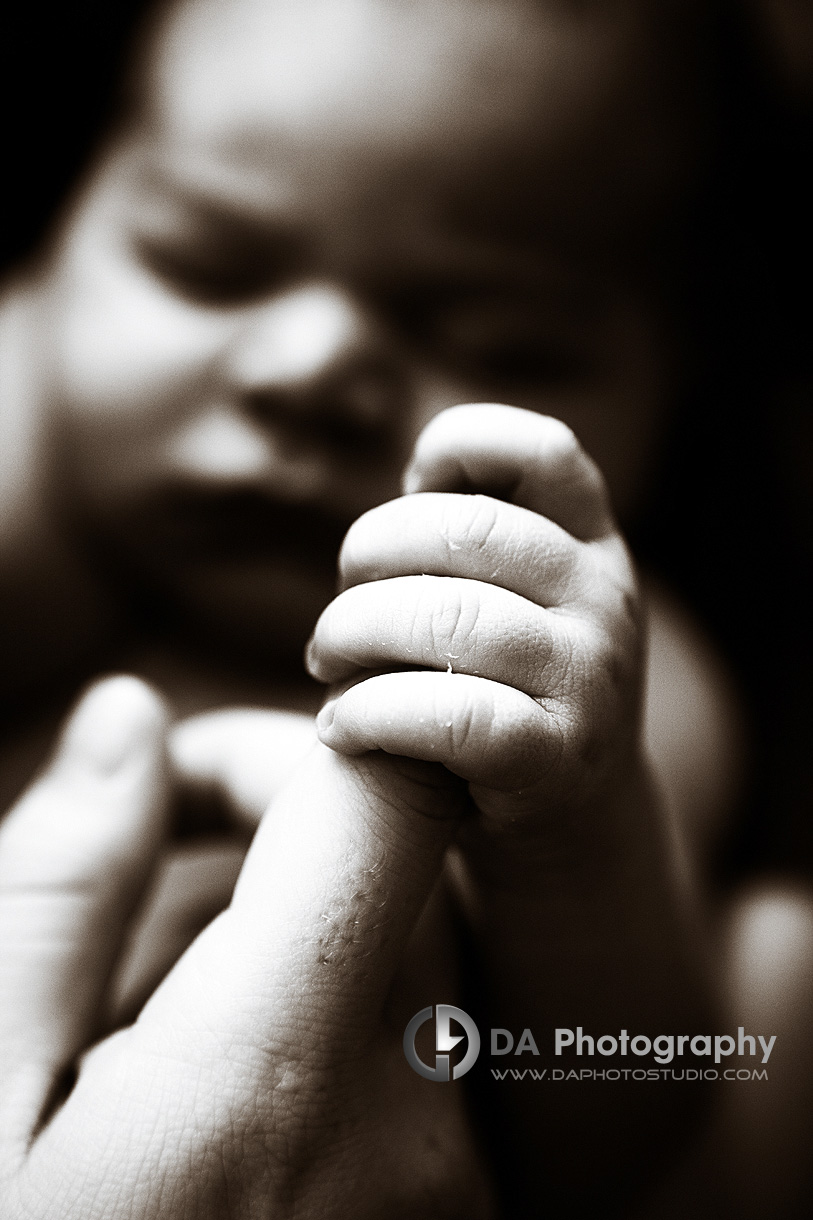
308,233
313,228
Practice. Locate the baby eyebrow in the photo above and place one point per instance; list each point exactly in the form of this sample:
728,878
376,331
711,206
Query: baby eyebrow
215,203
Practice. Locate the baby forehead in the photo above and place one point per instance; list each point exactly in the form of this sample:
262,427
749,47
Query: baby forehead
538,114
394,73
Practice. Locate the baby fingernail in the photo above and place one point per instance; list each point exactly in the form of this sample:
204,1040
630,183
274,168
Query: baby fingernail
325,718
114,722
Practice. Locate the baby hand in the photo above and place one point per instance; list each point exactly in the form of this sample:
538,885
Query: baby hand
502,604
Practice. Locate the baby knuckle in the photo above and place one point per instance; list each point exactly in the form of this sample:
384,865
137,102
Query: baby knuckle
469,523
453,622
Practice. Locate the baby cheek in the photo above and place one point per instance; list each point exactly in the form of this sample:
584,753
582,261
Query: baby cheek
128,351
133,366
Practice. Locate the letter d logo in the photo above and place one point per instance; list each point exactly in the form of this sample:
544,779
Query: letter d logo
444,1041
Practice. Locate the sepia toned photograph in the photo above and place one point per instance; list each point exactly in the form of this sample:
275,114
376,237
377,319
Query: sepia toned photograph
406,525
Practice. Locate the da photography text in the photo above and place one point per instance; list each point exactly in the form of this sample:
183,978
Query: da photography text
566,1042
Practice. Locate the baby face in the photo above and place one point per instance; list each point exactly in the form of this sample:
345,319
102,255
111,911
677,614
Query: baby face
324,222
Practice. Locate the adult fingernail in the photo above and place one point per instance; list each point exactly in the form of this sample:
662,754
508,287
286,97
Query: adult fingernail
114,722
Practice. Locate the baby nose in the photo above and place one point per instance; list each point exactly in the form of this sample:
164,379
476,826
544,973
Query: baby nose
314,352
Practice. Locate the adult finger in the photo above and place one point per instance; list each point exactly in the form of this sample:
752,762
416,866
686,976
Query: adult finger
75,855
300,966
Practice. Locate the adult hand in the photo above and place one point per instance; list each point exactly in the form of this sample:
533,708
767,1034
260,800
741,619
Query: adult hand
265,1075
